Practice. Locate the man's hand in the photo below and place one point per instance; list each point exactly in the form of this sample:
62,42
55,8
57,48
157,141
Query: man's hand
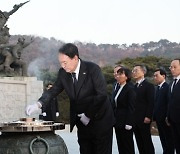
57,114
33,108
85,120
44,114
128,127
147,120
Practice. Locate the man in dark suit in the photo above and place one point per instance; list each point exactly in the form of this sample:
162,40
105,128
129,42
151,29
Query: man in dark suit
115,84
160,111
50,111
143,110
90,108
174,103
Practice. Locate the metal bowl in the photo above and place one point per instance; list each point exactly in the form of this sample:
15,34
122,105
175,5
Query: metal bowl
27,119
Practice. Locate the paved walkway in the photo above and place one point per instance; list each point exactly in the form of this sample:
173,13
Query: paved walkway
73,147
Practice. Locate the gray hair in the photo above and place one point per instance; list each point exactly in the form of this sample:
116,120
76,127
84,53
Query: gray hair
143,68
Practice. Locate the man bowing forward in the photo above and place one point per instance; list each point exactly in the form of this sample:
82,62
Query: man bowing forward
90,108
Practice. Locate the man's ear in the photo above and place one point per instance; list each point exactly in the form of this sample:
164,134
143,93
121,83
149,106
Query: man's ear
76,57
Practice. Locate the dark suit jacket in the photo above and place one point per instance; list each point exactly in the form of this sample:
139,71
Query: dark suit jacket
174,103
91,96
112,93
51,108
125,107
144,103
161,103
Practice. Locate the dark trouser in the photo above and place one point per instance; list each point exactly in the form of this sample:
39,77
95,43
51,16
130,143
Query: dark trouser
166,137
143,139
124,141
91,142
176,134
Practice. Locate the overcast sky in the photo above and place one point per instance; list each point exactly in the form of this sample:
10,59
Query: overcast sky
97,21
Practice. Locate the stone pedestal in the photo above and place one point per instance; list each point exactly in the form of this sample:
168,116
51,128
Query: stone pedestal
15,94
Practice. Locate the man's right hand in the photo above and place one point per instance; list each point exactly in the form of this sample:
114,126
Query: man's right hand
147,120
32,108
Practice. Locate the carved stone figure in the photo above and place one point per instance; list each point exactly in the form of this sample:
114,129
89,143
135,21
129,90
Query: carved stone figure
4,16
4,35
11,57
11,62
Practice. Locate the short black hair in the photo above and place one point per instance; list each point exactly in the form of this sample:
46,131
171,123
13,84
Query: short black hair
127,73
70,50
162,71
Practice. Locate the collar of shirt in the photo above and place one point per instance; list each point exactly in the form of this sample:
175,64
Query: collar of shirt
115,85
121,87
77,69
160,85
178,77
140,81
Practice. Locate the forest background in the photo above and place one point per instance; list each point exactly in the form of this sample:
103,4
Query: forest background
42,60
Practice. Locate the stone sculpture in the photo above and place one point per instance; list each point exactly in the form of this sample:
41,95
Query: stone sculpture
11,63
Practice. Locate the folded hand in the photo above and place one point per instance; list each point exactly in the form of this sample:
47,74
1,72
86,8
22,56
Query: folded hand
128,127
85,120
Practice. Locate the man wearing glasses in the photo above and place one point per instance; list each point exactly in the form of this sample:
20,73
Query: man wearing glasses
144,104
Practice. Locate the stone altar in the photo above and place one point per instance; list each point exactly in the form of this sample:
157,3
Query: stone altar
15,94
16,89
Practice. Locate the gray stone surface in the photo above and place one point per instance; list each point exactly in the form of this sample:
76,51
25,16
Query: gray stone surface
15,94
73,147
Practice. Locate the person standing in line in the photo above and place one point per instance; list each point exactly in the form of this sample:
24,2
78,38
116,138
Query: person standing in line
90,107
160,112
123,105
50,111
174,103
143,110
116,68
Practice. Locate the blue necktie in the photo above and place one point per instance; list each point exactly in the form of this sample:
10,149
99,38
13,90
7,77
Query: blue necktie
157,91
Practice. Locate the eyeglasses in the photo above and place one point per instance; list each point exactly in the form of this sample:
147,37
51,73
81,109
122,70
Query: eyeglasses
172,67
135,71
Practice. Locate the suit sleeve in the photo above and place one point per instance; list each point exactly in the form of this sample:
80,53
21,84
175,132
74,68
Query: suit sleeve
100,93
52,92
43,108
56,104
150,94
131,106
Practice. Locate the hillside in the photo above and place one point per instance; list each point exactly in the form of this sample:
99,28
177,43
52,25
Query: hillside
42,53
